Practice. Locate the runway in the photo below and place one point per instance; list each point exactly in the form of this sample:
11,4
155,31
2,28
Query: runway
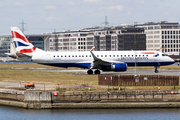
128,72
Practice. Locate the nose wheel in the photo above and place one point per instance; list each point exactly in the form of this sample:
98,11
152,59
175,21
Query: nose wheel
156,70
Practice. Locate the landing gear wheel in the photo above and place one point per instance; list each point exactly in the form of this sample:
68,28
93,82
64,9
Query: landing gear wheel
97,72
90,72
156,71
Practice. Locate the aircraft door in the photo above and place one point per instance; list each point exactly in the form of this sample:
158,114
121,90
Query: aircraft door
156,60
48,57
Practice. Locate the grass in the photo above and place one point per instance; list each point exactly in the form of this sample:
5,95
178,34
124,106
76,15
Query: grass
68,78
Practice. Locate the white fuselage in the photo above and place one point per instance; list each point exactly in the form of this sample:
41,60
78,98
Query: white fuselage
85,59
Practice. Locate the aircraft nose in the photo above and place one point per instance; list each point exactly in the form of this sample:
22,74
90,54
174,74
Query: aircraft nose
170,59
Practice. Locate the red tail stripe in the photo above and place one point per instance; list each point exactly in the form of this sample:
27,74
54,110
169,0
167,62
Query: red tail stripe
28,50
148,52
17,35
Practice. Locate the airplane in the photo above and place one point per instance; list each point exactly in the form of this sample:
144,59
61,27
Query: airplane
116,61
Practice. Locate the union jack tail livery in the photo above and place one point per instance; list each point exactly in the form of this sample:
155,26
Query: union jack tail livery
21,43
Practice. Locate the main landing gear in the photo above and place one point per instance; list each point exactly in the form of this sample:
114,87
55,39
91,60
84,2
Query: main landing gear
90,72
156,70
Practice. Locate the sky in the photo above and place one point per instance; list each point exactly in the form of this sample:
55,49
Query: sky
44,16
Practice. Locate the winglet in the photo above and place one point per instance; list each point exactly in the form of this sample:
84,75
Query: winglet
92,48
94,57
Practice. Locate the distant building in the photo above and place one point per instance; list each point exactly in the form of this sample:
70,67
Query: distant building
162,35
103,38
109,38
123,39
6,46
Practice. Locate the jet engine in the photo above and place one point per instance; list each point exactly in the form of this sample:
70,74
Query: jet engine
115,67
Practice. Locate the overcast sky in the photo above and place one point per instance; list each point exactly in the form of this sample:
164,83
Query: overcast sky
43,16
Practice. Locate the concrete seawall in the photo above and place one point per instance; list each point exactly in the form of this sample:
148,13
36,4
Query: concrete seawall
123,105
90,100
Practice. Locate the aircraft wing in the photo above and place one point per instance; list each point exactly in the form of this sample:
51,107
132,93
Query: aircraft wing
99,62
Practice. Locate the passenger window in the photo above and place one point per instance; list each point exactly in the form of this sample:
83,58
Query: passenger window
82,55
69,56
105,55
54,55
61,56
128,55
79,55
76,56
72,55
101,55
58,56
65,56
109,55
86,56
97,55
113,55
147,55
117,55
89,55
124,55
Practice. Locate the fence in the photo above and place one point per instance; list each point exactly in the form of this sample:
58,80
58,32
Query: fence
142,80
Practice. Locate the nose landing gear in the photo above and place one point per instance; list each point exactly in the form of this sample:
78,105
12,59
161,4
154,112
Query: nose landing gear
156,70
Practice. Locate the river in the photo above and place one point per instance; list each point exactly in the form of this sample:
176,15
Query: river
11,113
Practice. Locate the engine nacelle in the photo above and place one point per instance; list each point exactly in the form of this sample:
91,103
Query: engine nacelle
115,67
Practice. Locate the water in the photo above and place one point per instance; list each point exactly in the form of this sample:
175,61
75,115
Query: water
11,113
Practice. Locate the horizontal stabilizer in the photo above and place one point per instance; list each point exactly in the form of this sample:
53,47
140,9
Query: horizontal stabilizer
13,55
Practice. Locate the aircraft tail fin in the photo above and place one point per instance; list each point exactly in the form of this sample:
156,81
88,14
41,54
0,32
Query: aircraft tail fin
21,43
